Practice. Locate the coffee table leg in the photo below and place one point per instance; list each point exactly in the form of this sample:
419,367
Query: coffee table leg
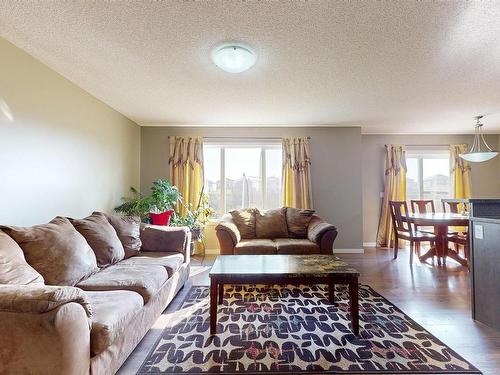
221,293
213,306
331,291
353,297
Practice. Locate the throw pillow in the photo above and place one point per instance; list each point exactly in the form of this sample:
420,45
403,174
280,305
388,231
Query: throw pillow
245,222
13,266
298,221
56,250
102,238
271,224
128,230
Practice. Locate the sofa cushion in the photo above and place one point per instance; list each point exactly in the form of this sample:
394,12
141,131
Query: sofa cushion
101,237
128,230
13,266
297,221
171,261
112,312
145,280
271,224
245,222
296,246
255,246
56,250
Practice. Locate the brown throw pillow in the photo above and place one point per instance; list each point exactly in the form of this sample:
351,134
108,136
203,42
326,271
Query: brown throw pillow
101,237
245,222
13,266
298,221
128,230
56,250
271,224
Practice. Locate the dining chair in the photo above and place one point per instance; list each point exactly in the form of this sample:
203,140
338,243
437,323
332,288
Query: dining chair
404,230
421,206
457,238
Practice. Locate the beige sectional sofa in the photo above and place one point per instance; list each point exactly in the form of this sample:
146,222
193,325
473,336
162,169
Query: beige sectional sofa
77,296
282,231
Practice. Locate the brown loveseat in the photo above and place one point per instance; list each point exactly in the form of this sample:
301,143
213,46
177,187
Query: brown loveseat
283,231
77,296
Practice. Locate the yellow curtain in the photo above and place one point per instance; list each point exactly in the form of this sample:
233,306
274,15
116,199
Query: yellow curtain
460,171
186,168
394,190
297,191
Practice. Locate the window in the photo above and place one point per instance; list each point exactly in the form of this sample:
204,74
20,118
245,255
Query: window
428,175
242,173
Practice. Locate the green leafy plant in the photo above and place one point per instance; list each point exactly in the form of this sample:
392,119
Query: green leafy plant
136,205
195,219
164,196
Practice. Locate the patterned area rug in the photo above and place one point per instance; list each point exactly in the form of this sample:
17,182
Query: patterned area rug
295,330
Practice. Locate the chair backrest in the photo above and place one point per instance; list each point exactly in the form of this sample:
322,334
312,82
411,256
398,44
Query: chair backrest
397,208
422,205
452,207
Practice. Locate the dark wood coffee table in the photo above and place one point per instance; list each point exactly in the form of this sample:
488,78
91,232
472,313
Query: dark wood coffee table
282,270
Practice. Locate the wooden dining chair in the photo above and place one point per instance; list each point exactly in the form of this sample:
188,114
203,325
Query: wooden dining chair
457,238
422,206
404,230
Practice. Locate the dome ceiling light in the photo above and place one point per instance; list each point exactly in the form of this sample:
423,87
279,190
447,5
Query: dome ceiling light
233,58
479,151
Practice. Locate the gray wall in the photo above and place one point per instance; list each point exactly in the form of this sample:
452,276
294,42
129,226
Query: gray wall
64,152
485,176
336,169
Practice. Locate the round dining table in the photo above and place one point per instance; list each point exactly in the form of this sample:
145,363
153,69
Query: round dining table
440,221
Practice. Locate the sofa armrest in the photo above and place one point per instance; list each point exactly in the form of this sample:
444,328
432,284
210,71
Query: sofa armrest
322,233
228,235
166,239
38,299
45,330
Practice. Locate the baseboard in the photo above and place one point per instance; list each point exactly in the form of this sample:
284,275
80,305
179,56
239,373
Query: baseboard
369,244
348,251
338,251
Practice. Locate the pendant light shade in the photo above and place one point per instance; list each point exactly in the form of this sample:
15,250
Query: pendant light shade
479,151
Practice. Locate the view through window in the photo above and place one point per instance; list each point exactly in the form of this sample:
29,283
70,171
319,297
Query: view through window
428,175
242,174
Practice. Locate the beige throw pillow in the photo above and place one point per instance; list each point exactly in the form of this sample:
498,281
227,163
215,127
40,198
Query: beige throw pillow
128,230
13,266
56,250
101,237
271,224
298,221
245,222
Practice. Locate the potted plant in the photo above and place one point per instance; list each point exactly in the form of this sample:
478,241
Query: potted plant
136,205
164,197
157,207
194,219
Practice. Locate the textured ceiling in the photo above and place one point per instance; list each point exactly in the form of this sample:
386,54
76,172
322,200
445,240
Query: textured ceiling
389,67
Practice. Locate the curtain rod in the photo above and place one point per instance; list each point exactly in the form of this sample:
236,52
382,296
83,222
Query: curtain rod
246,137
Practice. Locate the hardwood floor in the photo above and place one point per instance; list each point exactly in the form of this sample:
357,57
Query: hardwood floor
437,297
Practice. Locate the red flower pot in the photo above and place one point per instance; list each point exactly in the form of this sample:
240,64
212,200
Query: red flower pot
161,219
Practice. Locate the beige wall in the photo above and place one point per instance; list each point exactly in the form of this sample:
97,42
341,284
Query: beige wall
336,169
65,152
485,176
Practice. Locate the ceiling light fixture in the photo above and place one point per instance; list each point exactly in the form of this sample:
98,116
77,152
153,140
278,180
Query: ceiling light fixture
480,151
233,58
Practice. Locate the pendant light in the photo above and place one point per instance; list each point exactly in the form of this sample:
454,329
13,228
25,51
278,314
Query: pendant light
479,151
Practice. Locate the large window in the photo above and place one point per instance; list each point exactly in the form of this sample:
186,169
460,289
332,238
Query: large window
428,175
242,174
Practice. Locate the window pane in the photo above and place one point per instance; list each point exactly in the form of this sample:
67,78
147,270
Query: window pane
412,179
273,179
243,178
211,162
436,179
